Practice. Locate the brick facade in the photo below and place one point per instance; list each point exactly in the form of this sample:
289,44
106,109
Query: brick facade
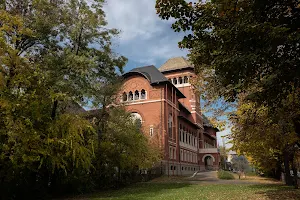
170,111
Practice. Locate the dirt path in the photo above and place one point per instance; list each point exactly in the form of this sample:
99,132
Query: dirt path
210,177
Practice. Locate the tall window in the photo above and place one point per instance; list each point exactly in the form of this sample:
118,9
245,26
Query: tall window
181,155
185,79
183,133
180,133
124,96
136,95
174,153
130,96
180,80
175,81
143,94
186,136
151,131
170,125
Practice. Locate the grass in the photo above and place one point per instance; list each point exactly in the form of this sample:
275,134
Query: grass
182,191
225,175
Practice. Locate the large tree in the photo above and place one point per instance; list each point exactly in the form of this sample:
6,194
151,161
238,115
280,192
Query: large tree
51,53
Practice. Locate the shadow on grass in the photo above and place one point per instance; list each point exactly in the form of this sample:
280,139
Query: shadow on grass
135,191
277,192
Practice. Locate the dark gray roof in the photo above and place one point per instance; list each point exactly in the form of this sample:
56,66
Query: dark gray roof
149,72
153,75
184,107
207,123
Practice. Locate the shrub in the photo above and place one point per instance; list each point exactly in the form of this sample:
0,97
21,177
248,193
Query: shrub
225,175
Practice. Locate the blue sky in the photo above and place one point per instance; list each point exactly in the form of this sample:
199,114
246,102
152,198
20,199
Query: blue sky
145,39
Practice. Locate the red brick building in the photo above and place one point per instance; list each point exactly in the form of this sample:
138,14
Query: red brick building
164,102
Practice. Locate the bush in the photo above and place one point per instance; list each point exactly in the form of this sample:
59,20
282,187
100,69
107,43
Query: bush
225,175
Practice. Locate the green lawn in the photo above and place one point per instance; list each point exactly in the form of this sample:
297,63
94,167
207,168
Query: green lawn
196,191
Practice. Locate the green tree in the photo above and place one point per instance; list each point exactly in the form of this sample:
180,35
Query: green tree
256,134
52,53
223,156
125,149
241,164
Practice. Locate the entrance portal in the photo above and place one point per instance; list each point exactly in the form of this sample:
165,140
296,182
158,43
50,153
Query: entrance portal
208,160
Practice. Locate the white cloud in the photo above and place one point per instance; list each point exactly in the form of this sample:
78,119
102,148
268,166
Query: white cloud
144,38
135,18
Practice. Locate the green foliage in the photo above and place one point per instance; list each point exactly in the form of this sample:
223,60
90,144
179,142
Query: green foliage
125,148
223,156
242,45
257,130
225,175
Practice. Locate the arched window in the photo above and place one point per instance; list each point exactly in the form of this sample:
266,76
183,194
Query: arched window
170,124
143,94
136,95
180,80
137,120
175,81
185,79
124,96
130,96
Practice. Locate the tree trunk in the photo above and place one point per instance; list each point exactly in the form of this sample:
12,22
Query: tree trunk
54,108
278,170
119,176
288,178
295,173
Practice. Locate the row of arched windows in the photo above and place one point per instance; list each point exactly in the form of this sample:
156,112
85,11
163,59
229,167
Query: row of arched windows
137,95
180,80
186,136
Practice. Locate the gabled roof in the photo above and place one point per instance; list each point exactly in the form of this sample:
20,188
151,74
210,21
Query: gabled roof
175,64
154,77
149,72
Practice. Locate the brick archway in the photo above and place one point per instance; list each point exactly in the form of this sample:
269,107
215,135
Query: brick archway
213,158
